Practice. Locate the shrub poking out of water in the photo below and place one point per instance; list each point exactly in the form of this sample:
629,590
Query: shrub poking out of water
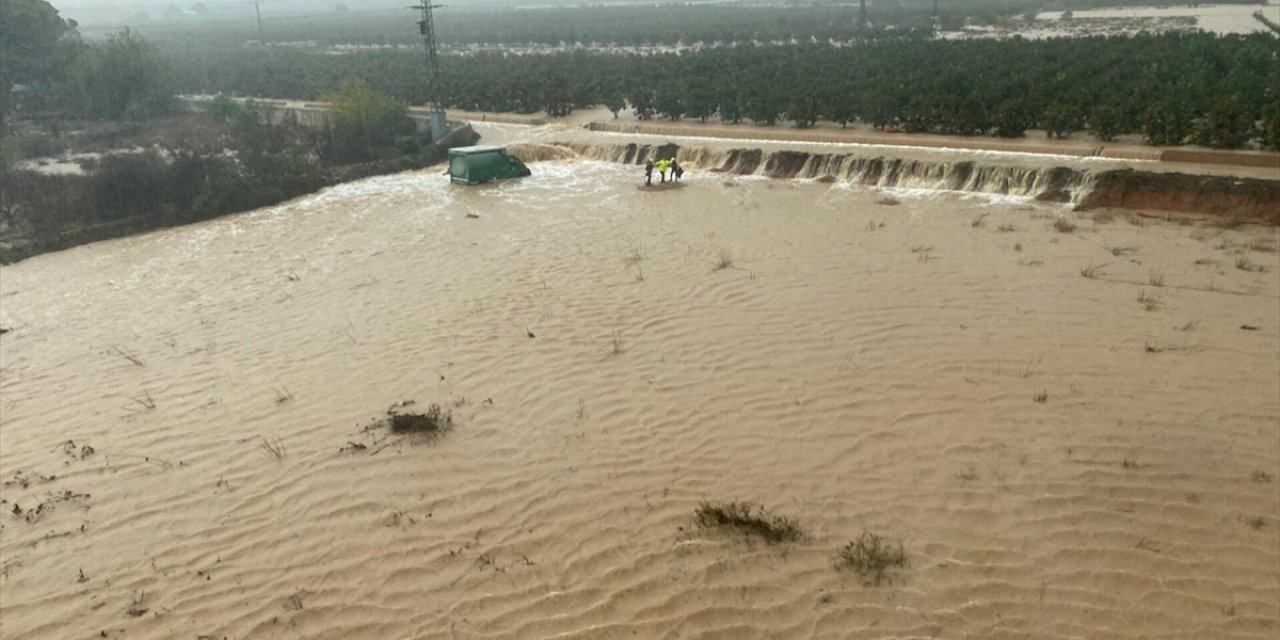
871,556
435,420
1092,270
1064,225
1243,263
750,519
724,258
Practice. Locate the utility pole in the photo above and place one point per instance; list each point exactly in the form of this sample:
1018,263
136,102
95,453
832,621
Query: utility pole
426,27
257,9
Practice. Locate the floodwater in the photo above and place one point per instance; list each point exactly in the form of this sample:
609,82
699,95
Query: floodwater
188,418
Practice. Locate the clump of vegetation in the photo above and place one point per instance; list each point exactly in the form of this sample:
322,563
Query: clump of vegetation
1243,263
1064,225
871,557
724,258
1148,302
434,421
1092,270
750,519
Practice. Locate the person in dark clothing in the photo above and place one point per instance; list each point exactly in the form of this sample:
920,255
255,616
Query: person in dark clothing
648,172
676,170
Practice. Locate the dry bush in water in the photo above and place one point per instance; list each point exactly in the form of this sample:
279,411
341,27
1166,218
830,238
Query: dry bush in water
1041,397
1150,303
130,355
273,447
724,258
871,556
1093,270
1155,277
750,519
434,421
1243,263
1064,225
617,346
634,254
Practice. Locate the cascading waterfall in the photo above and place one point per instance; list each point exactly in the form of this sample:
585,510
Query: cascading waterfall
1058,184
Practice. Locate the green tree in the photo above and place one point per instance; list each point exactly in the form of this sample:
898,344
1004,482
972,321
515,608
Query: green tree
1269,133
1060,120
1104,123
364,124
123,77
31,39
1166,125
1226,126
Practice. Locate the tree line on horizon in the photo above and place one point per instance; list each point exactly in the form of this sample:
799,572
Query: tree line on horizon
621,25
1219,91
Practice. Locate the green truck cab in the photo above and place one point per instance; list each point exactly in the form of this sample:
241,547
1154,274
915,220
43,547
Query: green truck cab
474,165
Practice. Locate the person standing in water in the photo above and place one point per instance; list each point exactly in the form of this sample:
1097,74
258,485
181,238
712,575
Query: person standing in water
676,171
648,172
663,165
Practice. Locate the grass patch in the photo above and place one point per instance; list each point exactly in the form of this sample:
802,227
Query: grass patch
1093,270
1120,252
1041,397
1063,225
273,447
1148,302
1006,228
979,220
750,519
1262,245
633,255
724,258
1243,263
434,421
1155,277
1231,222
1260,476
617,346
871,557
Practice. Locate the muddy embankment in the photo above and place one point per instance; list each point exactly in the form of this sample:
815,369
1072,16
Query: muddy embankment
1115,151
1082,188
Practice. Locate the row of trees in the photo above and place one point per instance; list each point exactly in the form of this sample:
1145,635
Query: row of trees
624,25
1173,88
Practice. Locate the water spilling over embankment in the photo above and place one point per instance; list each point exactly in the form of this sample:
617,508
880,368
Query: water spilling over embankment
1084,188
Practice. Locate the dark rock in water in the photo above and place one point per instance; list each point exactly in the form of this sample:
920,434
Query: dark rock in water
1057,195
472,215
827,179
889,201
462,135
3,331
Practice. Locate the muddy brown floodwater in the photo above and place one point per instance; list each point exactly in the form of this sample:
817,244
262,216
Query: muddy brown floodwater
183,417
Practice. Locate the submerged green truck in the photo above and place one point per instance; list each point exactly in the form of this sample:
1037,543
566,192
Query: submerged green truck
474,165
